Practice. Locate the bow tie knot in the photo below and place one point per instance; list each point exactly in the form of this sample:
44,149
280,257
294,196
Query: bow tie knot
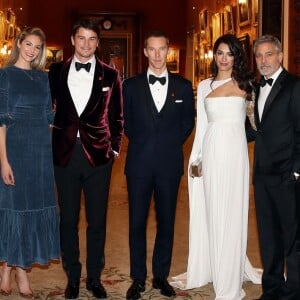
79,66
265,81
153,79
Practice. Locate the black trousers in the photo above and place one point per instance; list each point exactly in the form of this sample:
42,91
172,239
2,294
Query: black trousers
140,191
94,182
277,227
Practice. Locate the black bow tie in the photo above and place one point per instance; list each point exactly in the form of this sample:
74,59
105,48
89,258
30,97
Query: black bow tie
153,78
79,65
264,81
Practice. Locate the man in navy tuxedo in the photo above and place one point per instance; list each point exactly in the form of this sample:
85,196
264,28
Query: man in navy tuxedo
87,132
276,169
158,118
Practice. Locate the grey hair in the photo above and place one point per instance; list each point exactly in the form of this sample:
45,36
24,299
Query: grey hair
268,39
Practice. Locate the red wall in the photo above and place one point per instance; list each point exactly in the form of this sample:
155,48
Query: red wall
55,18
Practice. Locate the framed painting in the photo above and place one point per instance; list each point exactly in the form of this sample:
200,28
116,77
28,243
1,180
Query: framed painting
203,20
115,50
243,12
54,54
255,12
2,26
208,36
216,26
228,20
173,60
245,41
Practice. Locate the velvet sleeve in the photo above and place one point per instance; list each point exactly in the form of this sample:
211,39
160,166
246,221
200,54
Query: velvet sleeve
49,110
116,120
4,113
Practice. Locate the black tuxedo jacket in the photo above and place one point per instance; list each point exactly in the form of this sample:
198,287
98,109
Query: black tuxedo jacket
277,139
157,147
101,123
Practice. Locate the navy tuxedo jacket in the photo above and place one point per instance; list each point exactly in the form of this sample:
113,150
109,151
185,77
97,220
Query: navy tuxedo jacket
155,145
277,139
101,123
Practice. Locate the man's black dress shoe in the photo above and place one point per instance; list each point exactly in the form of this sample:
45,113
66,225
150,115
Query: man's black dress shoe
96,287
164,287
72,289
135,290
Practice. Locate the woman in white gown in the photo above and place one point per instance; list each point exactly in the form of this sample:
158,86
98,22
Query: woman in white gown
219,199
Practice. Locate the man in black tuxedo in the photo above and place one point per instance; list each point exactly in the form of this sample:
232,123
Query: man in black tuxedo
158,118
276,169
87,132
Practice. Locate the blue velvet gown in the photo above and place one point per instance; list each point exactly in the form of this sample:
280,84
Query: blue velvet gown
29,221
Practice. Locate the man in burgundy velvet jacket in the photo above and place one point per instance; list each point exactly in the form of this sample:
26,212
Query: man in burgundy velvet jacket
87,132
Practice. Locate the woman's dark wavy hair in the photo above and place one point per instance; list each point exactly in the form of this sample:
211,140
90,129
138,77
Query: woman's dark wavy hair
241,72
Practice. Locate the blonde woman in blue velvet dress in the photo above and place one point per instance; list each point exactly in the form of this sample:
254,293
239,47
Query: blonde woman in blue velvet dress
29,222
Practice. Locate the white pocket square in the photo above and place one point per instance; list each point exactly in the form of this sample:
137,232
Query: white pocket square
178,101
105,89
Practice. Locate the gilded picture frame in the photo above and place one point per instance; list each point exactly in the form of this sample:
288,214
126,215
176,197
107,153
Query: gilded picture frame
245,41
216,26
203,20
255,12
173,60
243,13
228,20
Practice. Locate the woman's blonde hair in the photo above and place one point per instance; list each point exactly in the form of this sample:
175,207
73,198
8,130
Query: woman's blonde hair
39,62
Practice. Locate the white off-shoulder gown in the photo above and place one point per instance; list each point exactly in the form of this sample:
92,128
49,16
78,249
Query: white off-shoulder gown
219,200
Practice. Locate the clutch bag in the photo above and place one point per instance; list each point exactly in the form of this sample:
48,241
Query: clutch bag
196,168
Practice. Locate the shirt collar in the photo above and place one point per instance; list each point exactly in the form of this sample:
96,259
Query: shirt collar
163,74
276,74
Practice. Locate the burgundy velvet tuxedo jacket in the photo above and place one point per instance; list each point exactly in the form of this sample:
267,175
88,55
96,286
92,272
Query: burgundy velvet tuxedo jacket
101,123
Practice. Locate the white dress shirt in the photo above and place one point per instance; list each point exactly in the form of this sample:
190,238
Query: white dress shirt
159,91
264,93
80,84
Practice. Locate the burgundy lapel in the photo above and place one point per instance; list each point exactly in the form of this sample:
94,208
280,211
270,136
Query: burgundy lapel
64,84
98,84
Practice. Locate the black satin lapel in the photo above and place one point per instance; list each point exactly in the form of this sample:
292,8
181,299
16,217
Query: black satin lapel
64,78
274,92
171,90
145,95
256,115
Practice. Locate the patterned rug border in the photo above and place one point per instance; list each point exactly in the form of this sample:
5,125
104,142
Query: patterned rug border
116,285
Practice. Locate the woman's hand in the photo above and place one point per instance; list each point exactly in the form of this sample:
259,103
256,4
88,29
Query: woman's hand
7,174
